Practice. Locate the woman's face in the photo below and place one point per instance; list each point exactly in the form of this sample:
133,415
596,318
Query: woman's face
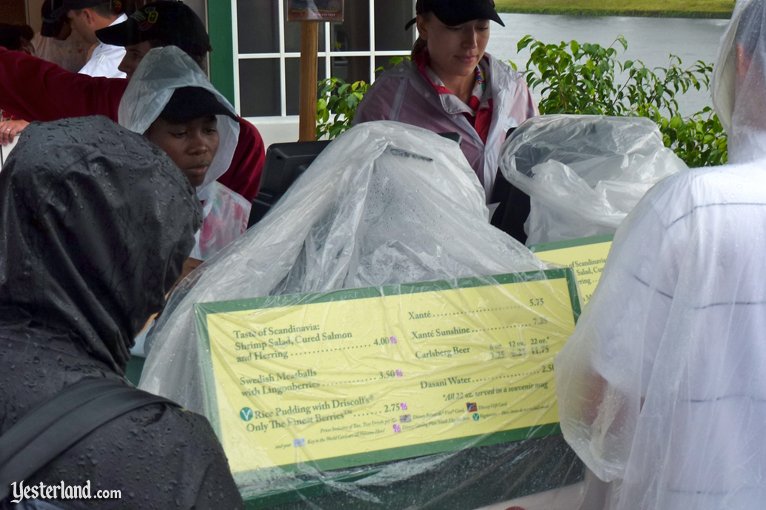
455,51
191,145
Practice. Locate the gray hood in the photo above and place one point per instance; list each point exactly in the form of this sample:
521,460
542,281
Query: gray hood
95,223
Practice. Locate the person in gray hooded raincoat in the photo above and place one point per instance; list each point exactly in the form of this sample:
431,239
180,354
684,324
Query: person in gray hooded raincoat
95,228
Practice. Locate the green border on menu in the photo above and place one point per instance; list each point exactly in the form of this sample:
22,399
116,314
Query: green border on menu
570,243
202,310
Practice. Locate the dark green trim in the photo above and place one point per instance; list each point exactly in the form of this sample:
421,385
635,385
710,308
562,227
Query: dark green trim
570,243
574,294
222,57
371,292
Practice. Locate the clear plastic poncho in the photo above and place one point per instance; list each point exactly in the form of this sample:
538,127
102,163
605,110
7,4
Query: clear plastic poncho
385,203
739,79
161,71
583,173
662,388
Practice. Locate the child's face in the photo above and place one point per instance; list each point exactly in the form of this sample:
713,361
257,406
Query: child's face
191,145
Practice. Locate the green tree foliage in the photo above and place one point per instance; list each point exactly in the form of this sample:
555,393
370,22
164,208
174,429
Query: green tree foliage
589,79
336,105
584,79
337,102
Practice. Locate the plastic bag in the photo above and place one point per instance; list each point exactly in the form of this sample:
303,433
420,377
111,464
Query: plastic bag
584,173
383,205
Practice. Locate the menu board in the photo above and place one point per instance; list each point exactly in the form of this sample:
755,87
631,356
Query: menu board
361,376
586,256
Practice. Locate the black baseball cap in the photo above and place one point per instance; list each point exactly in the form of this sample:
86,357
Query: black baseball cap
455,12
170,22
51,25
189,103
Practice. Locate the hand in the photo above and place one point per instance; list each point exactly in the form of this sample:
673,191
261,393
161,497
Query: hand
9,129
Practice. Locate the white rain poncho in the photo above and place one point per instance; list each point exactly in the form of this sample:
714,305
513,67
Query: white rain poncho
160,73
583,173
384,204
739,79
662,389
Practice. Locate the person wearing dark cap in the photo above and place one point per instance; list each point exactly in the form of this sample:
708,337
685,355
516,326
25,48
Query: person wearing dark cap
86,17
158,24
36,90
452,85
171,102
55,41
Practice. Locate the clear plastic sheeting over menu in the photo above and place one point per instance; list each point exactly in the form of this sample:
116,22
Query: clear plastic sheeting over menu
373,342
584,173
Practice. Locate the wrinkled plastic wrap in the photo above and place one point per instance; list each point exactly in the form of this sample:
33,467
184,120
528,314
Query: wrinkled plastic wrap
226,215
661,387
583,173
739,79
384,204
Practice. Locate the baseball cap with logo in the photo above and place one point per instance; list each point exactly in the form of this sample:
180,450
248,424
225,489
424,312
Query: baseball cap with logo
166,22
456,12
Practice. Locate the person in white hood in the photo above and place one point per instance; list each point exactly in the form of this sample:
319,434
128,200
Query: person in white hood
661,388
171,101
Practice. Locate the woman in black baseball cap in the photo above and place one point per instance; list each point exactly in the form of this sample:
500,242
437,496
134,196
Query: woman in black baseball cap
452,84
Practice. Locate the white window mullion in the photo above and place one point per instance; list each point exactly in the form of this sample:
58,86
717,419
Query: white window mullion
282,65
235,53
327,50
372,41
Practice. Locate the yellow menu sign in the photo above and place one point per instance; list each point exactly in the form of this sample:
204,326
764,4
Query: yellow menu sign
369,375
585,256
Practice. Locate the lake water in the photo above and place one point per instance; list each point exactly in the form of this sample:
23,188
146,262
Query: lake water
650,40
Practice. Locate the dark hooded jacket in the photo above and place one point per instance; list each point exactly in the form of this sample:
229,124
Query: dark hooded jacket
95,224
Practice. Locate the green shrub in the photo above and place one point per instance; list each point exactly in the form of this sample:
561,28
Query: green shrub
336,105
337,102
589,79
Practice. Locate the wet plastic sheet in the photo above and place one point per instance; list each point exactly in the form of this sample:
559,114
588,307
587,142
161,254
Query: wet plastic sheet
662,388
385,206
584,173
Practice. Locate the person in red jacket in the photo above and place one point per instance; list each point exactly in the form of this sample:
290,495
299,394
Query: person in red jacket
33,89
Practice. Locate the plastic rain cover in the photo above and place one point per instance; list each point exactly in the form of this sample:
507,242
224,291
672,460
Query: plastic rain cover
662,388
739,79
160,73
384,204
583,173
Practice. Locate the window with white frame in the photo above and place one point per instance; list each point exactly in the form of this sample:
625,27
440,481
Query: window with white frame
267,49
